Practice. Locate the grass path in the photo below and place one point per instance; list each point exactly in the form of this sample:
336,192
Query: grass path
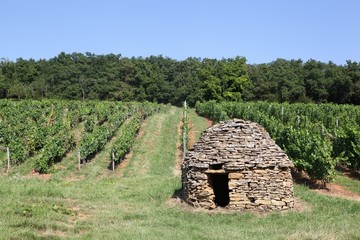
135,204
148,158
197,126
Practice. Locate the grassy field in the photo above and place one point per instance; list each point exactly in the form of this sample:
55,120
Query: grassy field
135,201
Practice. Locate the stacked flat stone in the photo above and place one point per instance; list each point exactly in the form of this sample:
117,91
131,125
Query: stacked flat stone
258,170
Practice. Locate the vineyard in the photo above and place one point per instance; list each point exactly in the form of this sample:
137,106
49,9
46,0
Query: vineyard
317,138
44,131
138,200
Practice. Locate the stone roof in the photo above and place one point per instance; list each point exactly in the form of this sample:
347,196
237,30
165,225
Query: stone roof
236,145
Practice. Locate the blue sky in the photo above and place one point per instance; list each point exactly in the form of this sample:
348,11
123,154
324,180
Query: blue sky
260,30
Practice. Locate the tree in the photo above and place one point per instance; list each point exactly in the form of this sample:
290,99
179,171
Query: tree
3,84
209,72
289,79
315,81
17,90
187,83
161,79
235,78
261,88
339,84
353,72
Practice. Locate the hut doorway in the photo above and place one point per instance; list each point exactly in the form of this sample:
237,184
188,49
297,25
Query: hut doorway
220,185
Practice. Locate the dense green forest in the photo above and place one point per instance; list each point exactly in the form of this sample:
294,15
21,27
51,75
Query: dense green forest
165,80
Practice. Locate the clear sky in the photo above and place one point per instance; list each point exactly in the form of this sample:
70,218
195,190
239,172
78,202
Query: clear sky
260,30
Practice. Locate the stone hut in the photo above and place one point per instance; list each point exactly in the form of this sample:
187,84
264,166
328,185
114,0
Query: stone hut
236,165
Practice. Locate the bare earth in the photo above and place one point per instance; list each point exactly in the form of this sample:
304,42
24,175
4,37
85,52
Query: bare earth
334,190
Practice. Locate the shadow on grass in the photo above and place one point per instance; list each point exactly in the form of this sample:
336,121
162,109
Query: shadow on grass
300,177
349,173
110,166
178,194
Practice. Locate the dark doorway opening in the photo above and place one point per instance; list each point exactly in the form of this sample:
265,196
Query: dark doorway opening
216,166
220,185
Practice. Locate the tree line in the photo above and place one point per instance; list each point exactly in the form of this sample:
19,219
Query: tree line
165,80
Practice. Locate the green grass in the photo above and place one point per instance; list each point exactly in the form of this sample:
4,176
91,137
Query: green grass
199,123
349,183
135,204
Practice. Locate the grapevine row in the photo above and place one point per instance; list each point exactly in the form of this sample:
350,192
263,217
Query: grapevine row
44,131
316,137
126,138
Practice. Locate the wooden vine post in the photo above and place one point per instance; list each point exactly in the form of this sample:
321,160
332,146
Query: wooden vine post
8,159
79,160
7,149
112,160
184,132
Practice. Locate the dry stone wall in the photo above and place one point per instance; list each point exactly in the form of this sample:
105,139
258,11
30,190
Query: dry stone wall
256,170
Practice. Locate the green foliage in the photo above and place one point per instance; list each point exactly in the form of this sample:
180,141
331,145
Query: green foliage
126,137
211,110
347,146
44,131
309,151
130,128
225,79
164,80
93,142
53,150
89,124
235,78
